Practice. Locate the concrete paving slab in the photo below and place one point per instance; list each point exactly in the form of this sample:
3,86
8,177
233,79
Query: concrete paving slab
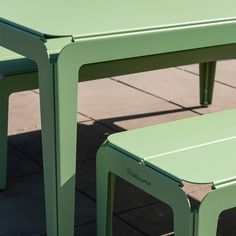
14,233
156,219
170,84
194,68
225,71
24,113
124,200
86,178
122,107
119,229
163,112
22,207
90,136
19,165
29,144
105,98
80,117
85,210
182,88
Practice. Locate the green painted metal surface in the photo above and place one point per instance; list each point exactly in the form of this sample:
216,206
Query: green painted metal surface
198,150
110,162
215,202
144,158
198,143
6,55
13,63
61,37
83,18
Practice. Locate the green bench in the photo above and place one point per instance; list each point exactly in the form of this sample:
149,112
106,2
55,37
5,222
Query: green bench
194,157
16,74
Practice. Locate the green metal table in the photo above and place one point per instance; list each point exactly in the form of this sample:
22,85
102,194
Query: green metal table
76,40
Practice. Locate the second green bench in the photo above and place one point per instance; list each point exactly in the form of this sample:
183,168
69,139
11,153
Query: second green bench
193,157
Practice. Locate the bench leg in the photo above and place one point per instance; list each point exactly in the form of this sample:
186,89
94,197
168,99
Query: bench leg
207,77
215,202
206,223
110,160
3,135
105,200
8,85
206,218
183,223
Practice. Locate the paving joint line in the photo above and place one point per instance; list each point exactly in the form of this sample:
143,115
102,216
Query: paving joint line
85,116
156,96
24,154
158,202
119,213
127,223
35,92
141,90
139,207
82,114
85,194
217,81
25,175
151,94
130,224
188,71
99,122
86,223
228,85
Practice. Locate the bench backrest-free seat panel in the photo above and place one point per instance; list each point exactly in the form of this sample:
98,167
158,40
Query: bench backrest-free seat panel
205,143
13,63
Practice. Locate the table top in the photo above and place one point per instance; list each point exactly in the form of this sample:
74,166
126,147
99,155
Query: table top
83,18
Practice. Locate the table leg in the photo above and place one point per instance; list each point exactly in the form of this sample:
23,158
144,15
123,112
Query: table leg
58,101
207,77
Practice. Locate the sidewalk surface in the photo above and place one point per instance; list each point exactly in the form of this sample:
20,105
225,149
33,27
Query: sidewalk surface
106,106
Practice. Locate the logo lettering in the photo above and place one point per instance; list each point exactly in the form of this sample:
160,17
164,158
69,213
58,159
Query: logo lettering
135,175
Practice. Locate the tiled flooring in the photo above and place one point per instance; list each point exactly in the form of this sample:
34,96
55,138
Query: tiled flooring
106,106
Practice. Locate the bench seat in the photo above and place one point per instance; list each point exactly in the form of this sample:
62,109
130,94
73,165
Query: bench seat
190,158
198,142
12,63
